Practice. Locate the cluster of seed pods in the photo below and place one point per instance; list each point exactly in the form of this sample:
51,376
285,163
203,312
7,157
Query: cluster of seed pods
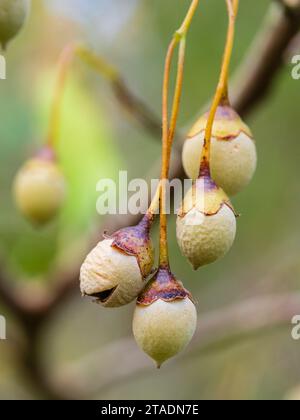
219,155
116,272
206,224
165,316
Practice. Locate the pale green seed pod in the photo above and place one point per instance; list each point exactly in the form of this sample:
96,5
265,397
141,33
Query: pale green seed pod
111,276
206,224
165,318
164,329
116,270
233,151
39,190
13,14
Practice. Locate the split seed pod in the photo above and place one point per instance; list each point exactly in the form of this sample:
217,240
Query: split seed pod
40,188
206,223
13,14
233,150
165,317
116,270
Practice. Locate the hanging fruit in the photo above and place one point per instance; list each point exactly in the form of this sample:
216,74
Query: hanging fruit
13,14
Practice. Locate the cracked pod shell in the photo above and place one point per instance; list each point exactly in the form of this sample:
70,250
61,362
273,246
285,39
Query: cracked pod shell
116,270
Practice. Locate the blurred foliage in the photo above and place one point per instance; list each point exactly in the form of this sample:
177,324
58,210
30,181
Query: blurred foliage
86,154
97,141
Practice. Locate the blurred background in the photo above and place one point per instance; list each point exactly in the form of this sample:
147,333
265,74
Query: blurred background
97,140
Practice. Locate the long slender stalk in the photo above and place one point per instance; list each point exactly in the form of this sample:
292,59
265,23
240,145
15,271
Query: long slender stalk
98,64
65,61
222,88
110,73
168,132
177,95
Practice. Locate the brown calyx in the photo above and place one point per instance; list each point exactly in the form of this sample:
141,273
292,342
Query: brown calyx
136,241
205,196
163,286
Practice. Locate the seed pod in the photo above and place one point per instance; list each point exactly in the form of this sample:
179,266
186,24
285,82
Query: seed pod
165,317
116,270
233,151
13,14
39,188
293,394
206,223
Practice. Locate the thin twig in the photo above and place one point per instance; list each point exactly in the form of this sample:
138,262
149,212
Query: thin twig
248,92
265,58
137,109
253,78
122,360
253,84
